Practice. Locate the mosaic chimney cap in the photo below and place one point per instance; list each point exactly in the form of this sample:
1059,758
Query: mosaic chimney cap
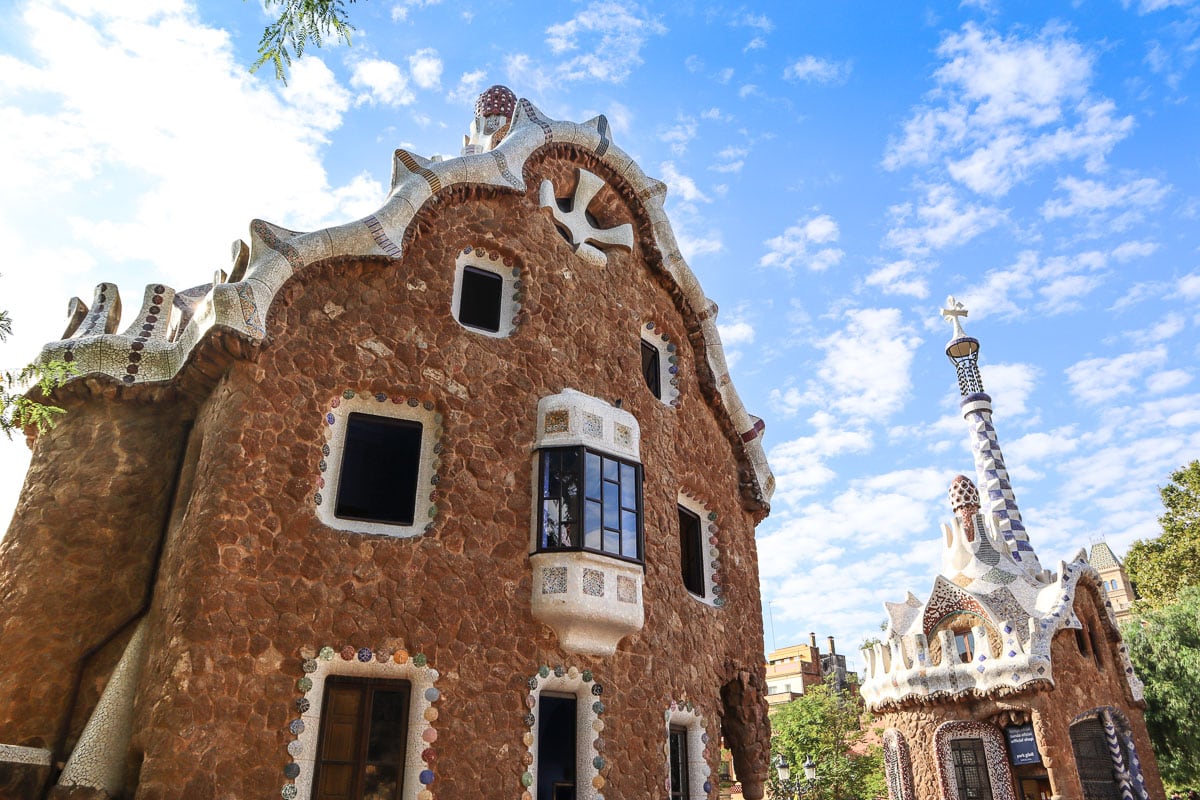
496,101
964,497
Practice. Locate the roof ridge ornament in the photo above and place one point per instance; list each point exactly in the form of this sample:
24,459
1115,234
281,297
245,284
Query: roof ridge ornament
953,313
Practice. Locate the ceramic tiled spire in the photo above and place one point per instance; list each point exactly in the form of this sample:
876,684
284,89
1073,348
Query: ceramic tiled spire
994,486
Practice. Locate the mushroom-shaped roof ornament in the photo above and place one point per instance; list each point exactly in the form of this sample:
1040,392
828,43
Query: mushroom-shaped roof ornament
493,115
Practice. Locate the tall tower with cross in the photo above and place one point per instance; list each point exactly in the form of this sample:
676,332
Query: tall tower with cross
995,488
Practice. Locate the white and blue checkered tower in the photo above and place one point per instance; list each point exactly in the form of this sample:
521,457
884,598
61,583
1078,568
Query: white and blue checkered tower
994,488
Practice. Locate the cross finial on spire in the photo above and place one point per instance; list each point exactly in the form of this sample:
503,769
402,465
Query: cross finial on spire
953,313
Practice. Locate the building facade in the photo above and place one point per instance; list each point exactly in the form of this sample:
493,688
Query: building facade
456,500
1009,681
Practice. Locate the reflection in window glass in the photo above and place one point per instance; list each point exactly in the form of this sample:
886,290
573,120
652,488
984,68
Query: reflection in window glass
609,504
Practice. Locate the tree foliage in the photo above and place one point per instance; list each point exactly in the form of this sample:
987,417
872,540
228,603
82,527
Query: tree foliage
18,411
1164,645
300,22
825,724
1160,568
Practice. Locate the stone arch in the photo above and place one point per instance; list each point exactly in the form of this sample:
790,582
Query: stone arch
998,772
746,729
897,765
1118,736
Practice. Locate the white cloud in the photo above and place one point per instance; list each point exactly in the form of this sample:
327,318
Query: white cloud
757,43
1089,197
801,245
522,70
1053,286
470,86
941,219
866,368
1128,251
615,30
1041,445
1167,381
1097,381
759,22
693,63
1006,106
1012,382
900,277
426,68
401,9
382,82
736,333
812,69
1189,285
679,135
681,185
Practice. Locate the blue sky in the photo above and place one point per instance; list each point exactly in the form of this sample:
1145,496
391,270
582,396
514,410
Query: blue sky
834,171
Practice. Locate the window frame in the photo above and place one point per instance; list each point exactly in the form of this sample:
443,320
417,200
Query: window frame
678,763
652,371
415,468
581,499
975,746
505,267
693,570
369,686
471,270
335,425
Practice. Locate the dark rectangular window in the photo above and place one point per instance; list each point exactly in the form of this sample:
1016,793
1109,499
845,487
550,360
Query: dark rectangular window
970,769
650,368
590,501
679,765
381,459
363,739
691,547
479,299
556,748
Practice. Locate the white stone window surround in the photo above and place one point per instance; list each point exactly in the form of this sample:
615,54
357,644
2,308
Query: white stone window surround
421,716
337,413
668,363
710,552
511,289
589,727
700,771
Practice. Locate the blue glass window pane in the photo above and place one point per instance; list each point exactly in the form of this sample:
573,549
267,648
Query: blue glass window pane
628,487
629,534
612,511
592,477
592,525
610,469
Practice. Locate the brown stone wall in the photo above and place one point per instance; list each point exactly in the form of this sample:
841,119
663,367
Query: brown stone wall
251,577
76,560
1080,685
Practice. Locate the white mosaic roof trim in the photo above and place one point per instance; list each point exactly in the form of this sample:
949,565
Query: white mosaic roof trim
157,344
901,668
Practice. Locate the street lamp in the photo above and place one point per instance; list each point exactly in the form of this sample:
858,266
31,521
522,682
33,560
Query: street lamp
797,787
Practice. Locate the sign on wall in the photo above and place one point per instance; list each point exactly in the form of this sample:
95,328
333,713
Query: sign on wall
1022,746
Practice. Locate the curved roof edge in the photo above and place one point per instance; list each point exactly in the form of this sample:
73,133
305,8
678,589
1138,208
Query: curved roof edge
901,670
155,347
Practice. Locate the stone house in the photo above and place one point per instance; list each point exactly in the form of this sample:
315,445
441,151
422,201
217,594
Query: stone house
1009,681
456,500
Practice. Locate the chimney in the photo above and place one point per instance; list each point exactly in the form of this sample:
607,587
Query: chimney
832,649
812,639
